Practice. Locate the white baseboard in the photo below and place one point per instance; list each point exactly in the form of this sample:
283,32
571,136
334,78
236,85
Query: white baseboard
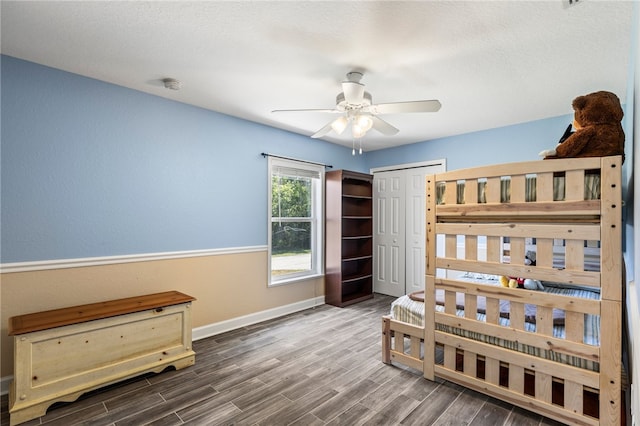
224,326
243,321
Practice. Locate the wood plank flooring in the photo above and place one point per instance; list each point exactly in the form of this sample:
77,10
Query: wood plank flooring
321,366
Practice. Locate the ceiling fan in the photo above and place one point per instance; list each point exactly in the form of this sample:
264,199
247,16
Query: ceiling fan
358,110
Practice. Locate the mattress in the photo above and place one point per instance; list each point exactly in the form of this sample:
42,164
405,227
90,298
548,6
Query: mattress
411,311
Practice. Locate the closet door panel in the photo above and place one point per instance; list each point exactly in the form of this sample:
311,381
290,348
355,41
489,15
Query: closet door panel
415,229
389,233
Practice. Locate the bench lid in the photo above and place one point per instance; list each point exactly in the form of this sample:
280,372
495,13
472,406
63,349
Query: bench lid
77,314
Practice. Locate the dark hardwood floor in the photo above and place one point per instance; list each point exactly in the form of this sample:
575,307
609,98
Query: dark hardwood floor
321,366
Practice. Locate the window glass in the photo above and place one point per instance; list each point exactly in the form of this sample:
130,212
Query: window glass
295,233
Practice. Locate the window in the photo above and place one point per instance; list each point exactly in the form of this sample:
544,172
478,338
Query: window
296,194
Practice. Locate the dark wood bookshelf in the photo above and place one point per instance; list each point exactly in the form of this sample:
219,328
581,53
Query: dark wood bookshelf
348,237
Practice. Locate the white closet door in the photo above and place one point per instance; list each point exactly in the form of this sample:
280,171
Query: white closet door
389,233
399,234
415,229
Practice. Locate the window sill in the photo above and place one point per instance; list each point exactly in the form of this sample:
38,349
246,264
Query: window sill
295,280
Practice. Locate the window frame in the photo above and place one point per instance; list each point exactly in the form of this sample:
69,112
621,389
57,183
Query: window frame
316,220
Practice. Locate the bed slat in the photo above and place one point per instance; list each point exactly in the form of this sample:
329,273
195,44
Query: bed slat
516,379
573,397
574,326
492,370
516,315
587,210
544,320
574,255
471,247
543,387
562,231
574,185
517,251
518,189
492,190
471,191
544,253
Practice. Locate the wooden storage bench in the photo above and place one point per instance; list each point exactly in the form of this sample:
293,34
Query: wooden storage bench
63,353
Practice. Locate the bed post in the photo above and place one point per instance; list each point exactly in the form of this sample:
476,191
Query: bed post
430,271
611,287
386,339
429,329
430,210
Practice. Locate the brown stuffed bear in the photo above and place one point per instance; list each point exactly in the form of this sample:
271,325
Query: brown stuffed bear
598,130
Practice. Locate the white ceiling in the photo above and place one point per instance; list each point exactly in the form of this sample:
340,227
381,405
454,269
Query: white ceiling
490,63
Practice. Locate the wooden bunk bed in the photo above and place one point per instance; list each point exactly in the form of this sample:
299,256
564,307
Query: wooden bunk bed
568,370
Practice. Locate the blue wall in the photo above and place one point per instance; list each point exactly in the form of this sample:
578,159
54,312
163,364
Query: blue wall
93,169
520,142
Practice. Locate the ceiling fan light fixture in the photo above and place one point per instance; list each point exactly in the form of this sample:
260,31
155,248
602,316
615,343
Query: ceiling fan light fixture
357,131
364,121
340,125
361,124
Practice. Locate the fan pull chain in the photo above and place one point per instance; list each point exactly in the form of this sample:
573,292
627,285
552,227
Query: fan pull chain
353,146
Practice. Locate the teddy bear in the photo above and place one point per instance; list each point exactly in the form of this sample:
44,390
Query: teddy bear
598,131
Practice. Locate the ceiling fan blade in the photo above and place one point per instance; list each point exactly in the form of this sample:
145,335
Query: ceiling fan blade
383,127
404,107
307,110
353,92
325,130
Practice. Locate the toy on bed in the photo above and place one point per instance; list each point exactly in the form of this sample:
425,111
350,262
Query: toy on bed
527,283
518,282
598,132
